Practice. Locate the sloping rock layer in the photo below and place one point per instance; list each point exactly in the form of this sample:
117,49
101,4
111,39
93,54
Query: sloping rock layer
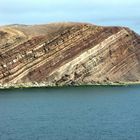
68,54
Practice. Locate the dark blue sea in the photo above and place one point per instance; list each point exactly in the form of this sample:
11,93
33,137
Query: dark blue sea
70,113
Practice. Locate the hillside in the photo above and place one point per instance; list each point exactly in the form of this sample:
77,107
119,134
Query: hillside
68,54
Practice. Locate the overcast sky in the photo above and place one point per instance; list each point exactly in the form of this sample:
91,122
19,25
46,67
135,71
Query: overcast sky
44,11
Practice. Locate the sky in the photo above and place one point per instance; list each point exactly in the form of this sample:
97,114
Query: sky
103,12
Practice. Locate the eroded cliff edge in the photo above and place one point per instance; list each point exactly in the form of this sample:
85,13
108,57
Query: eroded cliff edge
68,54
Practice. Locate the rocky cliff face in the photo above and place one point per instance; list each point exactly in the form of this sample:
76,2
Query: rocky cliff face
68,54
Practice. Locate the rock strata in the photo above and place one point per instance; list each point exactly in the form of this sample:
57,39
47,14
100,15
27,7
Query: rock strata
60,54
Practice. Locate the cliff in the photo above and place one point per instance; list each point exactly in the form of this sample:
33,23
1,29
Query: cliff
60,54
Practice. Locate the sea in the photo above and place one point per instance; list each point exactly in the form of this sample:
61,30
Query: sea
70,113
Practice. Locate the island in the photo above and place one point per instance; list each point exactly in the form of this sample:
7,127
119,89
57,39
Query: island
69,53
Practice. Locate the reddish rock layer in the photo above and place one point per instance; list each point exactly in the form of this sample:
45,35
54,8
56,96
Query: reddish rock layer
68,54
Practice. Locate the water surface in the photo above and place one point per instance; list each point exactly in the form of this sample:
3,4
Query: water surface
74,113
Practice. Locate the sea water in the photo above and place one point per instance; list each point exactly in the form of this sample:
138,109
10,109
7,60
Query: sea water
70,113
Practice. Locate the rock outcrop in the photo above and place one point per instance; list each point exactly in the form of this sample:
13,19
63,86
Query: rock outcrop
68,54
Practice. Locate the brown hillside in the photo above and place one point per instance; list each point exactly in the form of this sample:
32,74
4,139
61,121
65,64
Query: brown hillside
68,54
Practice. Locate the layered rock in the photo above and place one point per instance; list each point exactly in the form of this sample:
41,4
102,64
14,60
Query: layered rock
68,54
